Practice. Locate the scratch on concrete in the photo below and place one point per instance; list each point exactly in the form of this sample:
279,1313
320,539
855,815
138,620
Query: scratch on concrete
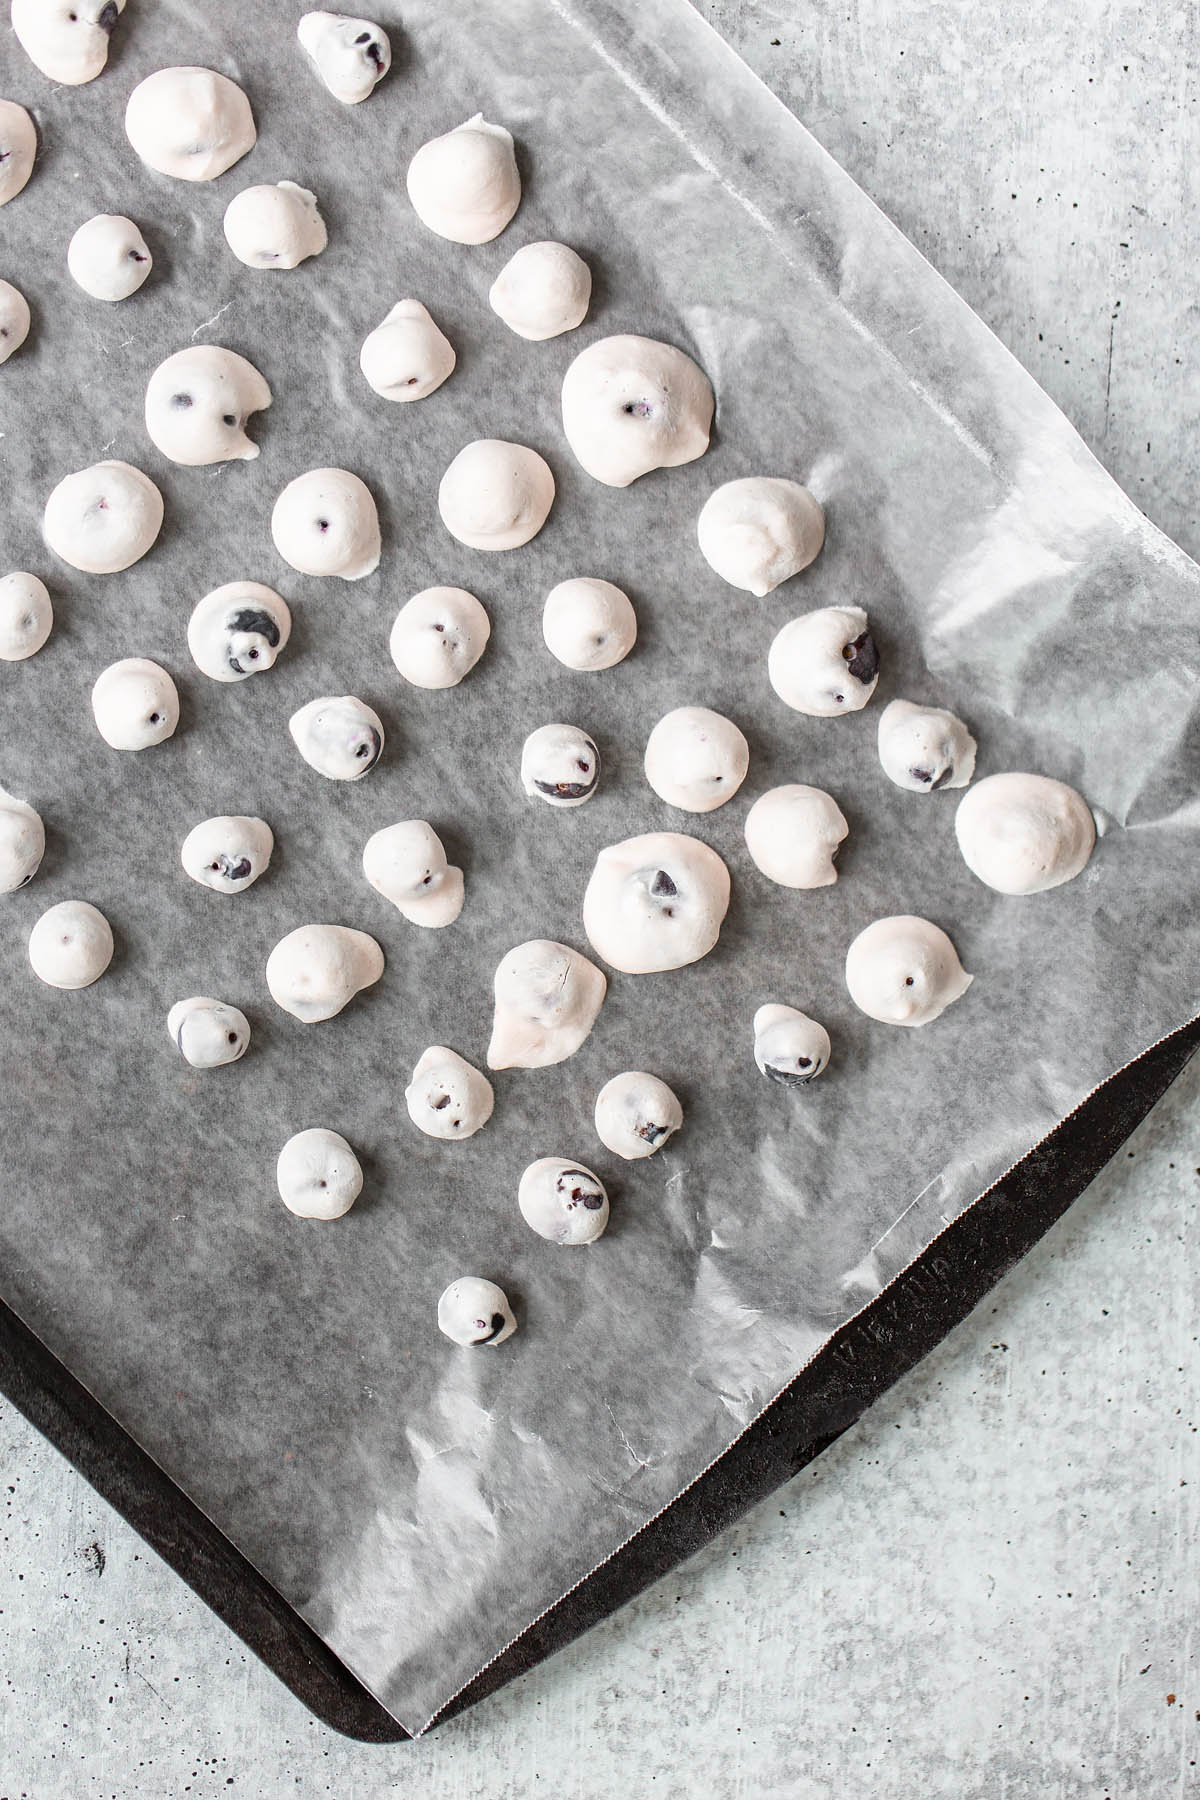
1112,325
205,323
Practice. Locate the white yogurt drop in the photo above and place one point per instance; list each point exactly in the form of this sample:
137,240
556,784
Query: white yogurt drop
274,226
189,123
465,185
631,404
922,748
696,760
407,864
135,704
1022,834
339,736
438,637
760,531
208,1033
560,765
351,56
655,902
14,317
789,1047
26,616
562,1201
542,291
71,945
238,630
446,1097
66,39
198,402
495,495
547,999
103,519
904,971
325,523
793,835
108,257
474,1311
408,356
22,843
636,1113
316,970
18,147
825,662
318,1174
228,853
588,623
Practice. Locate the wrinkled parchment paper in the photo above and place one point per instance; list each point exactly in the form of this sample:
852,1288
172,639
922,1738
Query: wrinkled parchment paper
420,1504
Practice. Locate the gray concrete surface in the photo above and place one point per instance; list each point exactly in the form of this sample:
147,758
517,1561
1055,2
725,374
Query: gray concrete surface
989,1587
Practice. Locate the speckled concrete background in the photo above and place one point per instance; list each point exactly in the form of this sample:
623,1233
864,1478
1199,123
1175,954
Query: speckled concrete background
990,1586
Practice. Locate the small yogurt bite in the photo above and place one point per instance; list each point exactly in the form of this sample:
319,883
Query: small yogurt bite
760,531
547,999
198,403
655,902
407,864
276,225
794,833
438,637
18,147
636,1114
14,317
208,1033
789,1047
465,185
108,257
103,519
496,495
351,56
26,616
325,523
563,1202
904,971
447,1098
229,853
696,759
922,748
631,405
542,291
22,843
339,736
71,945
825,662
473,1311
318,1174
135,704
589,624
1023,834
560,765
316,970
189,123
408,356
238,630
66,39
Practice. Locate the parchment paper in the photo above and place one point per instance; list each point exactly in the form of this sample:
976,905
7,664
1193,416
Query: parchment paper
420,1504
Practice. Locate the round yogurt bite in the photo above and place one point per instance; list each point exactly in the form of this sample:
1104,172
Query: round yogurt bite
103,519
189,123
208,1033
760,531
135,704
14,317
318,1174
238,630
228,853
474,1311
560,765
655,902
18,147
274,226
71,945
495,495
589,624
922,748
794,833
904,971
26,616
316,970
696,760
108,257
632,404
408,356
339,736
465,185
438,637
325,523
407,864
542,291
22,843
825,662
789,1047
198,402
446,1097
636,1114
547,999
351,56
66,39
562,1201
1023,834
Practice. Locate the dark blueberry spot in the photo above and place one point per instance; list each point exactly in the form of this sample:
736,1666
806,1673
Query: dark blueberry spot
375,52
792,1077
3,330
136,256
862,657
943,778
250,619
565,790
229,418
233,1037
181,400
439,627
108,16
639,409
662,887
497,1325
653,1134
239,870
322,524
908,981
155,718
437,1105
364,37
925,775
593,1201
412,381
26,879
368,751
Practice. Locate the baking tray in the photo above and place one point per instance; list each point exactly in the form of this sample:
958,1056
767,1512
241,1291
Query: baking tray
885,1340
